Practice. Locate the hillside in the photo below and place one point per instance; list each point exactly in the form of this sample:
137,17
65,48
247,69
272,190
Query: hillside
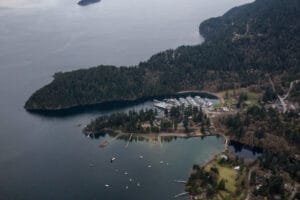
240,48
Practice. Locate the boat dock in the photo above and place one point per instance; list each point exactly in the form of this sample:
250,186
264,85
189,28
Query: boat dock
196,101
130,137
181,194
180,181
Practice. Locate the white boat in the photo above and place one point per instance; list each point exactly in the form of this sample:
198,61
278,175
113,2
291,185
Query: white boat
163,105
126,173
192,101
177,102
183,102
106,185
209,103
149,166
112,159
141,157
199,100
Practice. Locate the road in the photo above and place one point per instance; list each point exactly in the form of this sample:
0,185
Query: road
282,99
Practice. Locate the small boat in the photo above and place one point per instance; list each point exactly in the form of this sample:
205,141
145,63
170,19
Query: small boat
130,180
141,157
161,162
149,166
126,187
106,185
112,159
138,184
125,173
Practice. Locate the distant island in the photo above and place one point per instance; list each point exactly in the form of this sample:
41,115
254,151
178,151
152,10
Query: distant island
240,49
87,2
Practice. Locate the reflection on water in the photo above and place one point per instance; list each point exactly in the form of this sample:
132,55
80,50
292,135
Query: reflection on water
147,137
245,151
115,106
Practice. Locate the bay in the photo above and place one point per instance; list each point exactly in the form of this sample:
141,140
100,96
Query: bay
43,157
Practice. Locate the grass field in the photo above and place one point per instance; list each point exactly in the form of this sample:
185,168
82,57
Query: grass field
227,173
231,96
233,178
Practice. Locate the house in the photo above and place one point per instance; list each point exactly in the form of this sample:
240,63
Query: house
224,157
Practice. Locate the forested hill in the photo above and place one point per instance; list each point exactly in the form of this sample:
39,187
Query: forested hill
241,47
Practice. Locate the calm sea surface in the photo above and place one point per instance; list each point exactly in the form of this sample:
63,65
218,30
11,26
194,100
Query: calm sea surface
43,157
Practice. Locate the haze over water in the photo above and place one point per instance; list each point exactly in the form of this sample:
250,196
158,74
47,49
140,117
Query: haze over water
48,157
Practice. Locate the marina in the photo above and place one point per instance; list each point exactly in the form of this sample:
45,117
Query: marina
197,101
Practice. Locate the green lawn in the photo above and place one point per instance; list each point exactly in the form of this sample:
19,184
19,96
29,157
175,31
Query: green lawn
228,174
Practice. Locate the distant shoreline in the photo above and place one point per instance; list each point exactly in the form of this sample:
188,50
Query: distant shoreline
109,105
87,2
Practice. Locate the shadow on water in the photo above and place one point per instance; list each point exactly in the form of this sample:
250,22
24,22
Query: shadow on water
141,137
94,108
110,106
245,151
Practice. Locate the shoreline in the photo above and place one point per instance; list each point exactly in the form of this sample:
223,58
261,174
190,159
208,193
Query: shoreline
105,105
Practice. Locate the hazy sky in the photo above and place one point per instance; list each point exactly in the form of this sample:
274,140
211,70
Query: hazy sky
25,3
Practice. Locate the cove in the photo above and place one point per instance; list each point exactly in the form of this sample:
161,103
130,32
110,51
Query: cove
170,159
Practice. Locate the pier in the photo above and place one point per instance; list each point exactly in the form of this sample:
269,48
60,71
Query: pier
130,137
180,181
181,194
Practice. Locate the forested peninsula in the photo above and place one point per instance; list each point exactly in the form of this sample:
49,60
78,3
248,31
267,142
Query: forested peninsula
241,48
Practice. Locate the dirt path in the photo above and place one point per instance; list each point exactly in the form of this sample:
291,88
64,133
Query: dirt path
292,84
282,99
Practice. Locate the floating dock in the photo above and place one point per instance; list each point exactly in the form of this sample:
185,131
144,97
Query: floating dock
196,101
